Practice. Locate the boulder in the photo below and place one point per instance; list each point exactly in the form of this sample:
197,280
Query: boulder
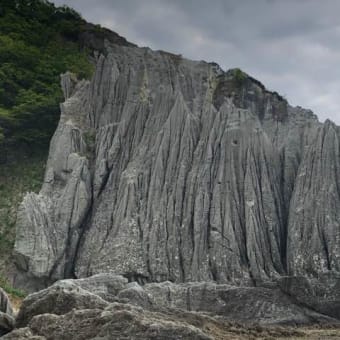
58,299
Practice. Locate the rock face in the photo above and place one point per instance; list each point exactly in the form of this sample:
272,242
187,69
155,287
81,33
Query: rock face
320,294
107,306
242,304
6,314
163,168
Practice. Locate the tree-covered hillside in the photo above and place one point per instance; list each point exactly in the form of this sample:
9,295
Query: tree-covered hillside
38,42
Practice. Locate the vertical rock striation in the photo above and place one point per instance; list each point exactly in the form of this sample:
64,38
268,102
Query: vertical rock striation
314,220
163,168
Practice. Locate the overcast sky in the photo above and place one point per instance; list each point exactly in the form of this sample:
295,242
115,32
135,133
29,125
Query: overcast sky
291,46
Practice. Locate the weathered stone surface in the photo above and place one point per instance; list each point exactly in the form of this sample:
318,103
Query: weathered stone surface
6,323
6,314
314,222
155,311
237,304
61,206
168,169
66,311
106,285
321,295
22,334
118,321
58,299
5,304
164,169
138,296
242,304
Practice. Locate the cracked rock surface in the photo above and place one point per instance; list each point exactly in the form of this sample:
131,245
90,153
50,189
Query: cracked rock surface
107,306
166,169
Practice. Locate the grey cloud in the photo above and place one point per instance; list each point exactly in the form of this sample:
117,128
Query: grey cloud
292,46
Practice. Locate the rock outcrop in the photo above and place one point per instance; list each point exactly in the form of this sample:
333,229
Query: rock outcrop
320,294
266,306
166,169
107,306
6,314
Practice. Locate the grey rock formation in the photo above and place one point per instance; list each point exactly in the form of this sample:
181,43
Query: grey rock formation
238,304
5,304
6,314
76,309
59,299
314,220
6,323
163,168
266,306
118,321
321,294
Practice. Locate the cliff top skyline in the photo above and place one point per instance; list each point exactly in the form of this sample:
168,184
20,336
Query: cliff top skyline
290,46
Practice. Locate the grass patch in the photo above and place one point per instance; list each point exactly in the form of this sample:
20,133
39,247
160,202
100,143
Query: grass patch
16,293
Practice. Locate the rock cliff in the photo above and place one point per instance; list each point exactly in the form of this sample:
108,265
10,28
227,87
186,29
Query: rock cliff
163,168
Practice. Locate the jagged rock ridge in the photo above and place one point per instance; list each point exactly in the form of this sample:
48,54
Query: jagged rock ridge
163,168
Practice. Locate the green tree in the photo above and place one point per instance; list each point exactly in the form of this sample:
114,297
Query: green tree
38,42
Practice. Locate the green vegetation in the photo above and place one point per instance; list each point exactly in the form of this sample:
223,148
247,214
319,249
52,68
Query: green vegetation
18,293
38,42
238,77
